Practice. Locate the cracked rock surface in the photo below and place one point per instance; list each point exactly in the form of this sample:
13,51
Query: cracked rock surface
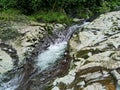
96,56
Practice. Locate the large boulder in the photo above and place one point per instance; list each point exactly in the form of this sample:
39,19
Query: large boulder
96,53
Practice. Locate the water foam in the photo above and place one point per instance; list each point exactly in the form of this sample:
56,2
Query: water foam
50,56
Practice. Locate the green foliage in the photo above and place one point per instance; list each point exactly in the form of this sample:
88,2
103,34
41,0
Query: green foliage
4,4
12,15
80,8
9,14
104,8
114,4
51,17
29,6
8,33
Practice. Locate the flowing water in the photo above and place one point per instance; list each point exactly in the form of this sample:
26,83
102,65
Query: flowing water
46,59
118,87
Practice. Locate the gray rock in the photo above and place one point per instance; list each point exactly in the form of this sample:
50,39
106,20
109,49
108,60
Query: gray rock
95,50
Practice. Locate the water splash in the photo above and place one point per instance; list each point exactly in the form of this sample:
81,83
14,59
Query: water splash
50,56
118,87
56,51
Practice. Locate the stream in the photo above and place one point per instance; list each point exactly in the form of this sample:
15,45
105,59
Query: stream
37,72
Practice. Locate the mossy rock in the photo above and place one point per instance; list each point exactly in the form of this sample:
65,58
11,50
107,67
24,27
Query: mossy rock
8,34
84,53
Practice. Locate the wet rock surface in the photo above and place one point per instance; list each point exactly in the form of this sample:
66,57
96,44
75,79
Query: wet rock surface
35,38
40,68
14,51
96,54
93,52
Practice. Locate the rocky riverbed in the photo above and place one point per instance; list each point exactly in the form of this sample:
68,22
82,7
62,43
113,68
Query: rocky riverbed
90,63
18,55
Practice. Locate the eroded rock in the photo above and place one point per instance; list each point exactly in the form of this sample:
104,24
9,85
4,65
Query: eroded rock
95,50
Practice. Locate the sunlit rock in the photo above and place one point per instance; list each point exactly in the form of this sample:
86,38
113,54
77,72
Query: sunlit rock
55,88
6,62
95,86
95,52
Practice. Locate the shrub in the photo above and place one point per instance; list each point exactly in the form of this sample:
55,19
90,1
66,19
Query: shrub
5,4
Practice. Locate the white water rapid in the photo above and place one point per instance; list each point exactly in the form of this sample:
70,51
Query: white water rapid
56,51
51,55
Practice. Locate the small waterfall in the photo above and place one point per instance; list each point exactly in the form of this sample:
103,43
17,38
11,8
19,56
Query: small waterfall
56,51
46,59
72,29
51,55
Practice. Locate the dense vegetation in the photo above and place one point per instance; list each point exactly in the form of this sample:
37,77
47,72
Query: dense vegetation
60,11
49,10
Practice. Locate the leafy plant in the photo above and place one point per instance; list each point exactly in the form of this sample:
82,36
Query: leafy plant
104,8
5,4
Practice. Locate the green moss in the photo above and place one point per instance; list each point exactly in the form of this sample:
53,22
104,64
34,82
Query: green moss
48,87
8,33
62,86
84,53
87,62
